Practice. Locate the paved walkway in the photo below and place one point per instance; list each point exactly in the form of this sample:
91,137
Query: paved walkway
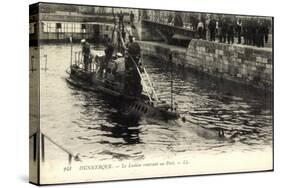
268,46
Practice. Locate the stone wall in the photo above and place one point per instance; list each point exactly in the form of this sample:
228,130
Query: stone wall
239,63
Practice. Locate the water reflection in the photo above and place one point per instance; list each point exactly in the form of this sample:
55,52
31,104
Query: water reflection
126,128
117,126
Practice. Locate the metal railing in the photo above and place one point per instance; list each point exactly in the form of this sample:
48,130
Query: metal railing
43,136
79,61
78,58
145,79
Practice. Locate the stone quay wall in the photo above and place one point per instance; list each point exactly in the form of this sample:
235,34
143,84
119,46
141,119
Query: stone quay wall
239,63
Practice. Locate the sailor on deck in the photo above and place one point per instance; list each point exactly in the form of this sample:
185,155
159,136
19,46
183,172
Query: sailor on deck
132,52
132,66
103,60
87,56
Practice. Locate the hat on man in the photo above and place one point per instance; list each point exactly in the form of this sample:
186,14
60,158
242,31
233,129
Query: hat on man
83,40
118,54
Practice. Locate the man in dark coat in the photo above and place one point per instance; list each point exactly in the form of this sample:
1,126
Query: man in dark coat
200,29
253,31
239,29
266,26
224,26
133,84
212,29
246,31
230,32
260,34
86,52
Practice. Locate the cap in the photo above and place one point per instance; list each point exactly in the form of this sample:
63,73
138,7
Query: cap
83,40
119,54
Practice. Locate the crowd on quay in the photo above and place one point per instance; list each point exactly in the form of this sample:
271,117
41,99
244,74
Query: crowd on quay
229,29
253,31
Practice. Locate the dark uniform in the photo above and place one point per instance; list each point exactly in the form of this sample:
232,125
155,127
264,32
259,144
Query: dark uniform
121,25
230,32
212,29
105,59
266,26
132,18
224,26
132,64
253,32
239,29
86,55
200,29
170,18
246,31
194,21
260,34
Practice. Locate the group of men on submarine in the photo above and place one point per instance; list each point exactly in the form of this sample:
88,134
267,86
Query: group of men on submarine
128,59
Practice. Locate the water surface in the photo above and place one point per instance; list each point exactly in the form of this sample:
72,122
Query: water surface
86,122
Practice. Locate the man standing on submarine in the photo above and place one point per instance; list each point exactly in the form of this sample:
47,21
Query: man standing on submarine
132,50
86,52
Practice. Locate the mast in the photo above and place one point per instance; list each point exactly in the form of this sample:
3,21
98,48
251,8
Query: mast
70,51
113,32
171,77
71,38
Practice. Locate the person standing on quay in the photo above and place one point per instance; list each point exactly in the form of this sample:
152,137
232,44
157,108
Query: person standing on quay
246,31
200,29
219,23
254,31
239,29
223,30
266,26
212,29
260,33
230,32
